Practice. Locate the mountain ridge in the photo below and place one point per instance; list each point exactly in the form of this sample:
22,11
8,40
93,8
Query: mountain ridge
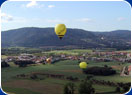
40,37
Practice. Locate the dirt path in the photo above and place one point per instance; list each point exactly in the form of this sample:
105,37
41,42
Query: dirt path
123,71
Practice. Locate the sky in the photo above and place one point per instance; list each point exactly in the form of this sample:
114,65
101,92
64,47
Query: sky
87,15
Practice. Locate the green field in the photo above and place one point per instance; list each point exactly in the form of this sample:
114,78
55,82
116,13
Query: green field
3,56
69,52
50,85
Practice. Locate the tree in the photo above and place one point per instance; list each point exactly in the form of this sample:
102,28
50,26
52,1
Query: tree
86,87
4,64
33,76
106,66
118,89
69,88
89,77
66,90
126,88
103,71
23,63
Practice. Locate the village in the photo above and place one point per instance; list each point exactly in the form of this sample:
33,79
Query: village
96,56
93,56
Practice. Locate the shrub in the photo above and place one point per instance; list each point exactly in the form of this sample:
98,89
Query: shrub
126,88
86,87
89,77
33,76
118,89
99,71
4,64
69,88
22,63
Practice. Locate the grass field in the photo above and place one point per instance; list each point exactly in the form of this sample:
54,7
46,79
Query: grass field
124,51
46,86
69,52
52,85
3,56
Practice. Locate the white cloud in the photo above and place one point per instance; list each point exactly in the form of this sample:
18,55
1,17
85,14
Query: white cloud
84,20
51,6
6,17
120,19
35,4
3,14
31,4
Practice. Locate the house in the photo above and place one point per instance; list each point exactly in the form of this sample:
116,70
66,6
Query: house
129,69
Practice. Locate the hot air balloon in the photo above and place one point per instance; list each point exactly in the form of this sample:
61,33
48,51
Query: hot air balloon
83,65
60,30
48,60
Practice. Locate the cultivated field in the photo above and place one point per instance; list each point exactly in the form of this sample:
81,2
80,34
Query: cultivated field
12,84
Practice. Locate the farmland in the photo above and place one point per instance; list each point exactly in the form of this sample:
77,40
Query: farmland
13,84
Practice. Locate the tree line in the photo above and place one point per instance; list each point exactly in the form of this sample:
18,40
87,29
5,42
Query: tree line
104,71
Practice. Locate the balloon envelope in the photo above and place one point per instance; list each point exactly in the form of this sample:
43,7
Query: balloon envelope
83,65
60,30
48,60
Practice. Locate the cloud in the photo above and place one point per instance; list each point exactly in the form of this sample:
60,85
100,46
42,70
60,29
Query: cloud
120,19
31,4
84,20
51,6
6,17
35,4
3,14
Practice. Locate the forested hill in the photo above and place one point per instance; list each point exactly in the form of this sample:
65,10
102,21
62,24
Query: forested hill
42,37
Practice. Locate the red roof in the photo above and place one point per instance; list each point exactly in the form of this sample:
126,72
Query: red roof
129,68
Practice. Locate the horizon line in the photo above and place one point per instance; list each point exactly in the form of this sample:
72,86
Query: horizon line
67,28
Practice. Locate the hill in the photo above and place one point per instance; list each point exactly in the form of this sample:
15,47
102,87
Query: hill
44,37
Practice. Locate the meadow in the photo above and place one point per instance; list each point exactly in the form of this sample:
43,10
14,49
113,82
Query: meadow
54,85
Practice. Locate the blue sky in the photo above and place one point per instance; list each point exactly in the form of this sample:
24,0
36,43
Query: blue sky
88,15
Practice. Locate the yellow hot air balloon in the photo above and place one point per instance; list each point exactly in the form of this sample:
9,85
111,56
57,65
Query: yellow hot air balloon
48,60
60,30
83,65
